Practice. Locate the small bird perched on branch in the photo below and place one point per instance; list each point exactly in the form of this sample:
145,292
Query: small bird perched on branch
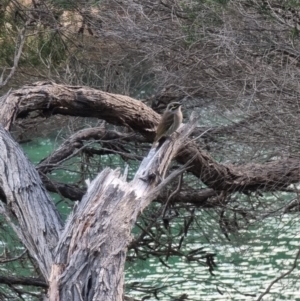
170,121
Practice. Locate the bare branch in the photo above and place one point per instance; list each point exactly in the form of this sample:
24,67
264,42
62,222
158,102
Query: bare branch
294,265
18,52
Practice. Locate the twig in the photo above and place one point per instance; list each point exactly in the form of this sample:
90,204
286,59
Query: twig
17,56
280,277
202,134
13,259
172,194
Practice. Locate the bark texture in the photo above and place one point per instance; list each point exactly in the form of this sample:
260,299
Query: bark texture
91,254
50,98
28,208
85,261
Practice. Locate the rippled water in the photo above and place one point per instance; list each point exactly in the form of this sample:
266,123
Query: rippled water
247,265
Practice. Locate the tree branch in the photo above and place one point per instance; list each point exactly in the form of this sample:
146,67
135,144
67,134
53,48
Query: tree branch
92,249
17,55
52,98
10,280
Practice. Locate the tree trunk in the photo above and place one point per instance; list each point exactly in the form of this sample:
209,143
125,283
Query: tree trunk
27,205
87,258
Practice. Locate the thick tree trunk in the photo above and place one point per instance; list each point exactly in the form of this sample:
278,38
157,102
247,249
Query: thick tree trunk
87,258
27,205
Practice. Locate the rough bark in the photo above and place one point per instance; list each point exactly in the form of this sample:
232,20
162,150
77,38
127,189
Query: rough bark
50,98
92,250
86,260
27,202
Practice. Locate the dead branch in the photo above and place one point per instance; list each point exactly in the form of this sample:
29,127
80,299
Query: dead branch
100,228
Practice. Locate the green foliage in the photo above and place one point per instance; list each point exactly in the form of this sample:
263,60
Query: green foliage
43,45
291,3
194,13
70,4
47,48
294,33
2,14
7,49
64,4
223,2
8,34
44,48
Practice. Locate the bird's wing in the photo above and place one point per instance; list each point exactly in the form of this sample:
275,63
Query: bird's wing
164,125
168,120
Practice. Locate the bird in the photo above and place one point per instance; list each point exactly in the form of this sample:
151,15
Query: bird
170,121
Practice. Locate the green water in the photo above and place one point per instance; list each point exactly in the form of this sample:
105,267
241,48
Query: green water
246,265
